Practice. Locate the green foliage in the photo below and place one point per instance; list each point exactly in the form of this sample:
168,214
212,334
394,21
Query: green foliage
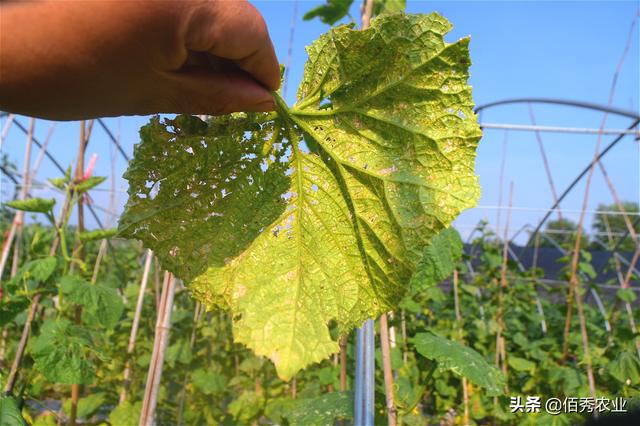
101,304
36,205
389,165
38,269
317,411
11,307
89,183
98,234
626,295
626,368
461,360
615,224
61,352
209,383
10,412
389,6
60,183
126,413
330,12
521,364
87,406
439,259
247,407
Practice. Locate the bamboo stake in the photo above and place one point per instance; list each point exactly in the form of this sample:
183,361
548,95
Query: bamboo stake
134,327
367,13
161,340
42,152
13,373
5,129
545,162
501,179
343,363
456,302
156,282
615,313
16,226
403,329
500,344
616,199
392,415
84,140
294,388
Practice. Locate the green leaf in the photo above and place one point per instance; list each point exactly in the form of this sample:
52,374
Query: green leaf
89,183
626,295
461,360
11,307
38,269
587,268
389,6
178,352
521,364
87,406
126,413
102,304
330,12
246,407
60,183
61,353
208,382
321,410
374,160
10,412
625,368
98,234
439,259
36,205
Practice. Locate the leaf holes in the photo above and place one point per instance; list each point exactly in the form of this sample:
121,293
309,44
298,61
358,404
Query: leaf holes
155,189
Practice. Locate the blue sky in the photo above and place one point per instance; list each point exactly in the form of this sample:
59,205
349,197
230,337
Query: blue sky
519,49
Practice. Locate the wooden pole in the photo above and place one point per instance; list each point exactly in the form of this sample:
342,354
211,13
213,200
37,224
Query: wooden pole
161,340
392,414
134,327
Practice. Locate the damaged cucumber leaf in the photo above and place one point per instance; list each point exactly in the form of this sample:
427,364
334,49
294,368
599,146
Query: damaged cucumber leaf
319,213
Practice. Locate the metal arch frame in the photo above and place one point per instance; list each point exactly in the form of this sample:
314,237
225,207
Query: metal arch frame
565,102
576,180
578,104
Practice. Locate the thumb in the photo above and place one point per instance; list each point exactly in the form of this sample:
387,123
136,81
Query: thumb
209,92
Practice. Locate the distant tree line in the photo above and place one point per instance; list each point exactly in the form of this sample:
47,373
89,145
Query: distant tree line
607,230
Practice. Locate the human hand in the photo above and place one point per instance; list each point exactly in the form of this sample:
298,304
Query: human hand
82,59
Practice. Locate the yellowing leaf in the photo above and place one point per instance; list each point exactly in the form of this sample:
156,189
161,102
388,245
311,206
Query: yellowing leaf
319,213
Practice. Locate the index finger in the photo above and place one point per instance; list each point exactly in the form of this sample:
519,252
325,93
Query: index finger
235,30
